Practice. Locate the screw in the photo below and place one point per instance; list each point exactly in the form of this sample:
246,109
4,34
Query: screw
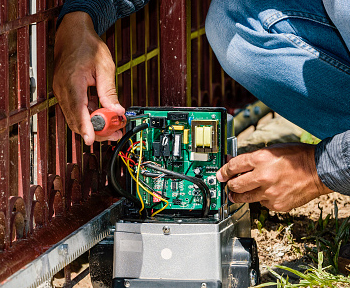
166,230
213,116
127,283
63,250
257,110
253,277
213,205
246,113
204,285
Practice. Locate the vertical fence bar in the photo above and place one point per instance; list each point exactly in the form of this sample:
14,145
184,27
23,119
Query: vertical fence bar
173,53
4,138
24,103
61,150
42,121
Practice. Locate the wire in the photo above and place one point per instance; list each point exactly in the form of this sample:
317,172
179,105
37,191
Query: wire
201,185
144,188
138,176
113,180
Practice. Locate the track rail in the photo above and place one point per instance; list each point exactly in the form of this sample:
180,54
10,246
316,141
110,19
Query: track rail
64,252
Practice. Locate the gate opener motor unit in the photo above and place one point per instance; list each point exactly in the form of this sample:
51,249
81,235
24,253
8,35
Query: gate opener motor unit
179,230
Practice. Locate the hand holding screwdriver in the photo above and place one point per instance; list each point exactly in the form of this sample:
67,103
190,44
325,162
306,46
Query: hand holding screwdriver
106,122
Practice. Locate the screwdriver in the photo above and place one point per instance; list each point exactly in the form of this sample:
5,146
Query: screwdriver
106,122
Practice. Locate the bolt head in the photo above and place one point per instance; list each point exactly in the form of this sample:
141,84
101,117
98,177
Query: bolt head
127,283
204,285
166,230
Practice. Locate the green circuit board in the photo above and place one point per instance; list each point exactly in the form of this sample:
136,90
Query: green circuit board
187,142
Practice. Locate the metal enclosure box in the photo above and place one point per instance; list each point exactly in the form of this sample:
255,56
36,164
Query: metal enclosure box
185,252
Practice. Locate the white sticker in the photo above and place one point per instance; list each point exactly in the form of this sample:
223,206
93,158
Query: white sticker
130,246
166,253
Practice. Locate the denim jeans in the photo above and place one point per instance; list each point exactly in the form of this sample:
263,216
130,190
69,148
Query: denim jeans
289,55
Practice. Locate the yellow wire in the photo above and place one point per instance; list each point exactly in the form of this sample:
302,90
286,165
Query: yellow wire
138,176
144,188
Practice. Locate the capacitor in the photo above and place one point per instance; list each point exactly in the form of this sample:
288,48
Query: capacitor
197,171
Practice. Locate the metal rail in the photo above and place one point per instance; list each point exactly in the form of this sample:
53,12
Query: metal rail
64,252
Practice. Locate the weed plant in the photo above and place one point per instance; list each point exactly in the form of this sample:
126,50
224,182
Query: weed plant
329,237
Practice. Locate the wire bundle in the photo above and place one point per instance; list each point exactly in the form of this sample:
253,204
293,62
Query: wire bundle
140,168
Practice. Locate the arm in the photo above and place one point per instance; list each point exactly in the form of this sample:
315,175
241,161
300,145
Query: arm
332,157
82,60
280,177
102,12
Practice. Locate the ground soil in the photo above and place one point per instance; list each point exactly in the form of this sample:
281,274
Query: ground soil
283,239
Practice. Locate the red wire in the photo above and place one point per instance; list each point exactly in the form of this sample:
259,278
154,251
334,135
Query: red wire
127,158
137,142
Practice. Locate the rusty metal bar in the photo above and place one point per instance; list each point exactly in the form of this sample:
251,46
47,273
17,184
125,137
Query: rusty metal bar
42,118
4,142
173,53
29,19
61,151
24,103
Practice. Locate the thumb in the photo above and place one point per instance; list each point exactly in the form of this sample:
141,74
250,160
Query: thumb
105,85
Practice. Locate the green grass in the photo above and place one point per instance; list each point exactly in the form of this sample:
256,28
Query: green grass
312,277
329,235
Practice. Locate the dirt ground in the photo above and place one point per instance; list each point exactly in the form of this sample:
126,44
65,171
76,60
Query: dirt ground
280,238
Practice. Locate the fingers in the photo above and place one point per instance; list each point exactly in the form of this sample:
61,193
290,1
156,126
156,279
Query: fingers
105,85
237,165
114,137
86,129
244,182
255,195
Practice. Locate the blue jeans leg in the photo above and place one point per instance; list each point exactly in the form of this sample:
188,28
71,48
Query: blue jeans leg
289,55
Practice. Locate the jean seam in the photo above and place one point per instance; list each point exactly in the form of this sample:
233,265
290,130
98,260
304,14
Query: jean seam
345,148
281,15
319,54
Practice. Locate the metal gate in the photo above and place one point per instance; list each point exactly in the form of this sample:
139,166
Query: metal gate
49,180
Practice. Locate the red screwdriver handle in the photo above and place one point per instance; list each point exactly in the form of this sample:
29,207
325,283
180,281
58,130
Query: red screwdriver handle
106,122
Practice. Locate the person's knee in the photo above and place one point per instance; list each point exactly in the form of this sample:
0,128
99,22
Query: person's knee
217,27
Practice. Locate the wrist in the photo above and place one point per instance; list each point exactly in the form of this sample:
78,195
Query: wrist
78,19
322,188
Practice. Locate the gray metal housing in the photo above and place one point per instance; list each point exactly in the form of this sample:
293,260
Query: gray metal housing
190,252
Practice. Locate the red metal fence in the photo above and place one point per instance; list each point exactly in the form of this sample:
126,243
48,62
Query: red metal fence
50,183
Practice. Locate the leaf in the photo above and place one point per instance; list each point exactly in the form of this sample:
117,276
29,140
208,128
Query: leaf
320,260
336,216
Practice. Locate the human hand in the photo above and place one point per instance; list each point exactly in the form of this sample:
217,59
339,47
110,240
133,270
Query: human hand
82,60
281,177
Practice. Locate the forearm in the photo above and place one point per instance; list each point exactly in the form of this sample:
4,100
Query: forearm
102,12
332,157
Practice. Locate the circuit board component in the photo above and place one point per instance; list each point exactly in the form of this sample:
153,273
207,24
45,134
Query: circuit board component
182,141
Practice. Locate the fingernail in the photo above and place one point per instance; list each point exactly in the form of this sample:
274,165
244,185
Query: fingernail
219,176
86,138
230,197
119,107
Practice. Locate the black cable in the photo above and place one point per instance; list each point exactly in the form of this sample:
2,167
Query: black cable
201,185
114,183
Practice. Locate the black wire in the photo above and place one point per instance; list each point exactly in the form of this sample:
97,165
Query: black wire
188,169
201,185
114,182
